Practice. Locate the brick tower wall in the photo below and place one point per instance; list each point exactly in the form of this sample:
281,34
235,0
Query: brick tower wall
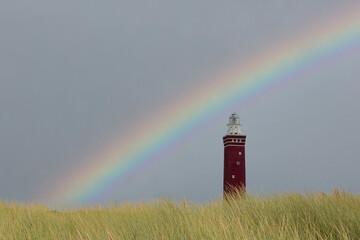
234,163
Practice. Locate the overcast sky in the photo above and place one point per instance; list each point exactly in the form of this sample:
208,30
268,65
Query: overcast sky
76,74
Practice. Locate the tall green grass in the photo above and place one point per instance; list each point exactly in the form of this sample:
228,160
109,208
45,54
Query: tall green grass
279,216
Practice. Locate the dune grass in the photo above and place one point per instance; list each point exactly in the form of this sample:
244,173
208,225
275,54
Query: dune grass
278,216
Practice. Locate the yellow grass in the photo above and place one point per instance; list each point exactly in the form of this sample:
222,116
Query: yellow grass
280,216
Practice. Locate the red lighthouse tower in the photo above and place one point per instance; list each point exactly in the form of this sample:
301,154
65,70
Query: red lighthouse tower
234,157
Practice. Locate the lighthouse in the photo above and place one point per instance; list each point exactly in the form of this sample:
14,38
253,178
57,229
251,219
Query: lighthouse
234,157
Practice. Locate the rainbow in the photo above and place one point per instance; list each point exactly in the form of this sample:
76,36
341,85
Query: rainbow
143,145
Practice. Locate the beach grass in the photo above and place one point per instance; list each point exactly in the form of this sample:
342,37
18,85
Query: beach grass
277,216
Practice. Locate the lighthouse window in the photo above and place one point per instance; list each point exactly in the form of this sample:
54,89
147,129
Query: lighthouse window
233,176
238,163
239,153
232,140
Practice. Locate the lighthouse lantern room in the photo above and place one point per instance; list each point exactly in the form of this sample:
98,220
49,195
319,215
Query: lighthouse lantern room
234,157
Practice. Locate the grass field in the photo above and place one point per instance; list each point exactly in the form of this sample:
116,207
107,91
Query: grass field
280,216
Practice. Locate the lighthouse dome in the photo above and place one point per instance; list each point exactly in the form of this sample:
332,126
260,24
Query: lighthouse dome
234,126
234,119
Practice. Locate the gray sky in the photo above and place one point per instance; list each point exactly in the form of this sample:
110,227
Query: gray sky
76,74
